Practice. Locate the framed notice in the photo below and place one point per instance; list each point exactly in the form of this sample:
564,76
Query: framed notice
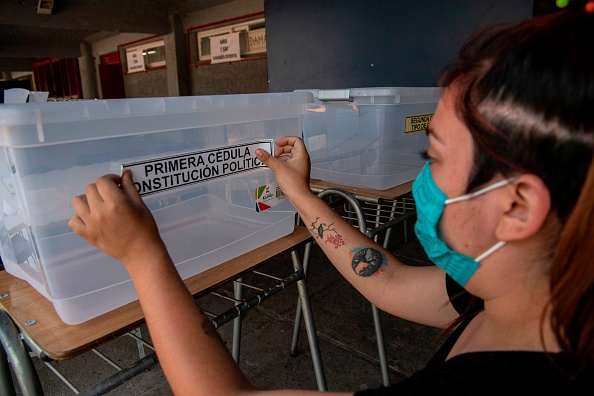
225,48
135,60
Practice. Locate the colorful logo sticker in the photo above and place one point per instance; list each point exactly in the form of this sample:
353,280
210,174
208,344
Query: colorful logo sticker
268,196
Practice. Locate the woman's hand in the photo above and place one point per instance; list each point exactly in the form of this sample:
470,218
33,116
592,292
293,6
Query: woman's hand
290,165
112,216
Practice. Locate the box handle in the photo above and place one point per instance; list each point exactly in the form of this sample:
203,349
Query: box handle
334,95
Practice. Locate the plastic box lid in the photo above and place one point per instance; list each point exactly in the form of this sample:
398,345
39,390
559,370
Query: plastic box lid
34,124
377,95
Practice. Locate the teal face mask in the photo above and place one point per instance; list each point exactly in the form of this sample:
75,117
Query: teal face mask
430,202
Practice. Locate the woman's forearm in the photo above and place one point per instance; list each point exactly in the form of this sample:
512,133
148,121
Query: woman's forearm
193,358
364,263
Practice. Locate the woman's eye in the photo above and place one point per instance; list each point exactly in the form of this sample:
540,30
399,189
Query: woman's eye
424,154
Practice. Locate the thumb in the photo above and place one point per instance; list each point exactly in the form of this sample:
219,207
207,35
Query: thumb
128,187
267,159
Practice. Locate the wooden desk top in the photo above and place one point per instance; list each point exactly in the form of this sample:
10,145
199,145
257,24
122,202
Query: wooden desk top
388,195
61,341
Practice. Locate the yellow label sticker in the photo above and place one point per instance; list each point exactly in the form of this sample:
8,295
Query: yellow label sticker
415,123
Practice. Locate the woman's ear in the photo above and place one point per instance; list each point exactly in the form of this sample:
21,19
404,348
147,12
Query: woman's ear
526,207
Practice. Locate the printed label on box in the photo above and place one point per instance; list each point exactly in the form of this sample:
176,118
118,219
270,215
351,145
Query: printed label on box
268,196
415,123
166,173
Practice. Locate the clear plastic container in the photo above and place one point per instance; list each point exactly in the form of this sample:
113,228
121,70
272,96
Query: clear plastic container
50,151
368,137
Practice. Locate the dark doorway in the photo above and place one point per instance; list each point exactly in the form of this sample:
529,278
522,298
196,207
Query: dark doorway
110,76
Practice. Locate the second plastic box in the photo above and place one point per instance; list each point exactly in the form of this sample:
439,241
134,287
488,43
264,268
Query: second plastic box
368,137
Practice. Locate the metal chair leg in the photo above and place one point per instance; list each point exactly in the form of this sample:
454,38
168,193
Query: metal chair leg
381,347
6,384
139,345
310,327
20,360
296,329
298,308
237,322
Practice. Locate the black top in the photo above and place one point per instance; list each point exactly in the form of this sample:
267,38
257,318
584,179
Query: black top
487,373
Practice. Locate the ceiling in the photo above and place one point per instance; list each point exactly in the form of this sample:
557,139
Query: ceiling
26,35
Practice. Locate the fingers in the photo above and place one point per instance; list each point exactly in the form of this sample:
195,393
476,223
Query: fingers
265,157
77,224
290,141
80,205
292,145
105,188
285,146
81,209
92,195
127,185
283,150
108,187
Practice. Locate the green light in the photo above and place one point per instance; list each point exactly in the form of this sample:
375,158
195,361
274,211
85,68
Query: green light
562,3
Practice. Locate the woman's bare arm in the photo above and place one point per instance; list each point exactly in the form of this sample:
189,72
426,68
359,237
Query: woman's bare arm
112,216
413,293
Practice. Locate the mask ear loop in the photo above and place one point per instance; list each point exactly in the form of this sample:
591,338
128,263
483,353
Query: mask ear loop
490,251
464,197
492,187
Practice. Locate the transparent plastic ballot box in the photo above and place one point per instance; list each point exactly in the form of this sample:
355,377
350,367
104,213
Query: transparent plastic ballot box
193,163
368,137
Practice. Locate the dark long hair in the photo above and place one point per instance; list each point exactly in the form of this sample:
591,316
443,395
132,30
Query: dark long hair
526,92
572,281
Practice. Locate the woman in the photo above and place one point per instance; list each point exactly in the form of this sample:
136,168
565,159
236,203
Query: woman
510,147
